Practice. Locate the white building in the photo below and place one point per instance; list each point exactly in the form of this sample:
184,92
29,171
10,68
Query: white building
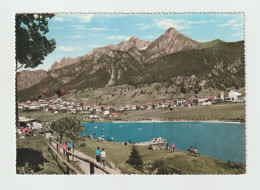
234,94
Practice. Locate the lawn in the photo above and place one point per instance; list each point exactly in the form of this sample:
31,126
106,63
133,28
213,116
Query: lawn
159,161
32,152
222,112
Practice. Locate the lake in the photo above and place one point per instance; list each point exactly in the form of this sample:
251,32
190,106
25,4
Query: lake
224,141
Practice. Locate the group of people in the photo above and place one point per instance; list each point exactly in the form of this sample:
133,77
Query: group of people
100,156
67,146
193,151
167,147
156,139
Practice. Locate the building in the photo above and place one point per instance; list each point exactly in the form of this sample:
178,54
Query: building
233,95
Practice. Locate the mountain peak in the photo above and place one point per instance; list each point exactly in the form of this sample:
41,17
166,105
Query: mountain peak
171,30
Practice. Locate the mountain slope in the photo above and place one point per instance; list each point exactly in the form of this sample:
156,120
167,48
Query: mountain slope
172,58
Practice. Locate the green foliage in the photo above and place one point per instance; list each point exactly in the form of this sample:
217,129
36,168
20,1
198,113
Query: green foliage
24,169
135,159
32,154
68,126
32,46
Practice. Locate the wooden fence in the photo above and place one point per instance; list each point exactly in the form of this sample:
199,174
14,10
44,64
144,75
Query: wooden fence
93,163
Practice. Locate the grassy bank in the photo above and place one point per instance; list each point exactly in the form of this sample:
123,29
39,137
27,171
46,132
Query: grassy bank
160,161
222,112
32,154
48,115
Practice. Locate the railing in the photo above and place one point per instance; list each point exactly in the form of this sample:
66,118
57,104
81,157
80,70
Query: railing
93,163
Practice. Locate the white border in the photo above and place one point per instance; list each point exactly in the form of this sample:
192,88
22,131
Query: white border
8,179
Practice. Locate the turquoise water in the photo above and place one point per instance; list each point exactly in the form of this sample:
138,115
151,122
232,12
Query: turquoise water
224,141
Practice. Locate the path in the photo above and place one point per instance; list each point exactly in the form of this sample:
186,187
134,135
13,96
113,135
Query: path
85,166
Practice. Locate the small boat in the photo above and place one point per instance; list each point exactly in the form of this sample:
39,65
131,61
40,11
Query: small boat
103,129
95,127
187,126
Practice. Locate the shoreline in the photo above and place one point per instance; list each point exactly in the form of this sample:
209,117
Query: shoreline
173,121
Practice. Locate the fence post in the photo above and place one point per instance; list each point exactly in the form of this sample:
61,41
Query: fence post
92,168
68,160
57,147
72,149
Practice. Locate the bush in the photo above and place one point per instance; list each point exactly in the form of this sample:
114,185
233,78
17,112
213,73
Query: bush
135,159
82,145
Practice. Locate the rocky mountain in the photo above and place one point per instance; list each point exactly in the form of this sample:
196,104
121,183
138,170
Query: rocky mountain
26,79
170,42
64,62
173,59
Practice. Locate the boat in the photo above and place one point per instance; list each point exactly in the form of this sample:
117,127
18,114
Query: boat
103,129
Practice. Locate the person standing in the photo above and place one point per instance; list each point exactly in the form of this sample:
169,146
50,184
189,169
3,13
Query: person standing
167,146
97,155
69,146
103,157
173,146
65,146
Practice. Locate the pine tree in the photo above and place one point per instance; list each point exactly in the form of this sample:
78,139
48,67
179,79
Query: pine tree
135,159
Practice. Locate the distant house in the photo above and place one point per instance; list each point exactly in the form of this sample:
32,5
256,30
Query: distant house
79,107
114,115
233,94
206,100
149,106
179,101
86,106
106,111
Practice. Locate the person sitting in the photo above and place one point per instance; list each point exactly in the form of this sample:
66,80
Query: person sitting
190,150
26,131
195,151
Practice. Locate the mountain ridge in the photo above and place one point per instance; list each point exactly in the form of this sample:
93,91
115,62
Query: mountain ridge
173,58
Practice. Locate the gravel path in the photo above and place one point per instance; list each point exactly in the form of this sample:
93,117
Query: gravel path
85,166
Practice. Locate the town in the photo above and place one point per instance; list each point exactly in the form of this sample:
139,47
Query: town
97,112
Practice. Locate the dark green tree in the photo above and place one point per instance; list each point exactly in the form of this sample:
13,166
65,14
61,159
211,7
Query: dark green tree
135,159
67,126
32,45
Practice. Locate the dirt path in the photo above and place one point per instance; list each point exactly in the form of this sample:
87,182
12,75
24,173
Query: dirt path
85,166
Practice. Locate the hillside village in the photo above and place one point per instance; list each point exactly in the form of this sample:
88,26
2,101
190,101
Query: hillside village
97,112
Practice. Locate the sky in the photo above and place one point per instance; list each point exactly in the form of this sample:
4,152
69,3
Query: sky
77,34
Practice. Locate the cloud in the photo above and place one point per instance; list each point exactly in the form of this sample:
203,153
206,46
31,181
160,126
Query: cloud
119,37
149,37
69,48
233,23
168,23
59,19
143,26
79,27
237,34
98,29
56,28
66,48
200,21
76,36
96,46
86,18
